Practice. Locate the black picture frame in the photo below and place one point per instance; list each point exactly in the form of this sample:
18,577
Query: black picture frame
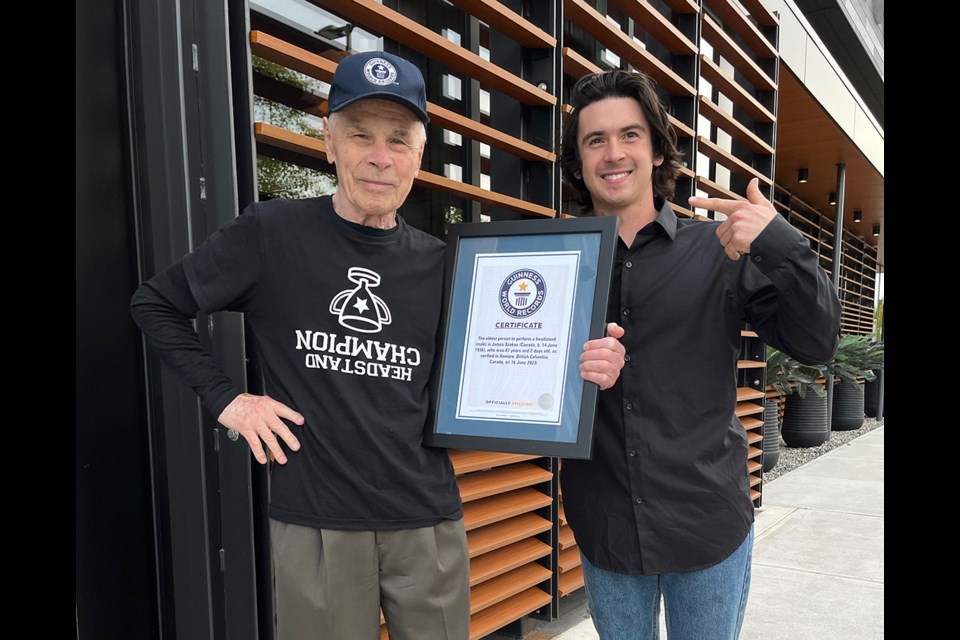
579,254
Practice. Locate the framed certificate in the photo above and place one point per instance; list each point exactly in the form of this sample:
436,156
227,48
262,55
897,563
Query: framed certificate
522,299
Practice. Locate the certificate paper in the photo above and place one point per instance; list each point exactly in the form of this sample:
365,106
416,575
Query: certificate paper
517,337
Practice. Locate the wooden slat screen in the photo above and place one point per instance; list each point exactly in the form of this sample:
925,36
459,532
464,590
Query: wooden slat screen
591,21
394,25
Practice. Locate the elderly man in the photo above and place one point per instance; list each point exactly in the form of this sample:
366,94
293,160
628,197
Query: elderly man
343,301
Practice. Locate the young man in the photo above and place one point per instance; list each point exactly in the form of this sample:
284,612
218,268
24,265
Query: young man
663,508
342,299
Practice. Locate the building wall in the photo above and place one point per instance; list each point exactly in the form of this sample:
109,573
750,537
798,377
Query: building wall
866,17
807,56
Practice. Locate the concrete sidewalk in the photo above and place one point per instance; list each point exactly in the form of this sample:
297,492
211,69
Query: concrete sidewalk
818,553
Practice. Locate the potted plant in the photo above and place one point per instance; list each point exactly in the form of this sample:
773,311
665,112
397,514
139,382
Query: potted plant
805,400
857,357
872,388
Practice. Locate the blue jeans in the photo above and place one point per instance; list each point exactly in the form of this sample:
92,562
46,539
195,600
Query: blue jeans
699,605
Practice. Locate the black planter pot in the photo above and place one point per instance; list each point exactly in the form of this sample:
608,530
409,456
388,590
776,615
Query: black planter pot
847,406
805,421
871,397
771,434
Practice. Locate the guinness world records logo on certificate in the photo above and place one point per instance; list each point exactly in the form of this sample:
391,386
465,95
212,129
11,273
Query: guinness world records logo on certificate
522,293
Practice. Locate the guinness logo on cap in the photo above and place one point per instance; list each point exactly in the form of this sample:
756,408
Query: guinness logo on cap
379,72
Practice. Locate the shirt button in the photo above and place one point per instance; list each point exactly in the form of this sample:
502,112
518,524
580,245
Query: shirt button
633,453
626,357
639,500
628,264
626,312
757,258
629,406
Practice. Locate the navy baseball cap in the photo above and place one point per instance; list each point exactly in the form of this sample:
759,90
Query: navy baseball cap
377,74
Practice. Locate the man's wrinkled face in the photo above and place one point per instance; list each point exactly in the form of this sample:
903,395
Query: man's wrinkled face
376,147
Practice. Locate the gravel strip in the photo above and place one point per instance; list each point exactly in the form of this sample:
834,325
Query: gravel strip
791,458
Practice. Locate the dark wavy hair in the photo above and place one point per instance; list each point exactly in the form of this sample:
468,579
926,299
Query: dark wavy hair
620,84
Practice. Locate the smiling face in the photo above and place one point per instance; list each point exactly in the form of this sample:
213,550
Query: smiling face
616,155
376,146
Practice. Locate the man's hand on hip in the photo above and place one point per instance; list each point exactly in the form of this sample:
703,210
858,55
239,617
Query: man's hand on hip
257,418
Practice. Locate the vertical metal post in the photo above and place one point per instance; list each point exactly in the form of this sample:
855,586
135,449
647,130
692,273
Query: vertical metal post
837,266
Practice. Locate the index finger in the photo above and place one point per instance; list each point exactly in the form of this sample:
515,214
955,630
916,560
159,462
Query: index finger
723,205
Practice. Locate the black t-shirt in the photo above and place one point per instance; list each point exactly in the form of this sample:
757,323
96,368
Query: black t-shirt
346,325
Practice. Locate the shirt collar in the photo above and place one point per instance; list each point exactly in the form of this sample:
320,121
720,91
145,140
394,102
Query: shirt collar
666,218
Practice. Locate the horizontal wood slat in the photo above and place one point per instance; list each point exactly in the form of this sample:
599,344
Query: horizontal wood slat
734,127
392,24
482,484
730,161
754,495
683,6
503,613
482,133
716,191
753,437
750,422
741,25
732,89
501,534
658,26
290,141
569,559
495,563
566,539
754,452
746,333
753,466
576,66
570,581
683,131
591,21
730,50
467,461
750,364
504,586
310,64
747,408
755,481
508,22
760,13
493,198
748,393
561,515
682,211
496,508
306,62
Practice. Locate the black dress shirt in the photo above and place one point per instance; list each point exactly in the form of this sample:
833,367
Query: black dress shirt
667,488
